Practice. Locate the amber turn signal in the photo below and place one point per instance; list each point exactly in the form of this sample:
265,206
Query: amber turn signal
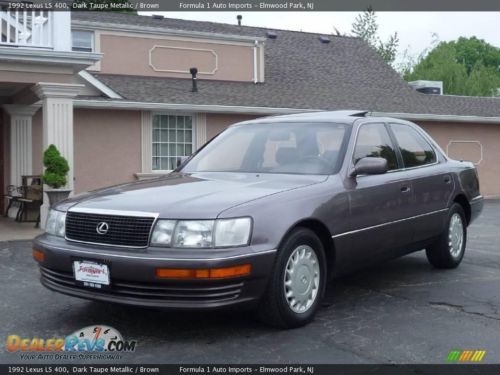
211,273
38,255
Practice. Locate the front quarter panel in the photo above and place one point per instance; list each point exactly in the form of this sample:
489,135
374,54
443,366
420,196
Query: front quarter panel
273,216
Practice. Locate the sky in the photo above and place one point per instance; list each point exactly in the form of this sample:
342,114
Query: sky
415,29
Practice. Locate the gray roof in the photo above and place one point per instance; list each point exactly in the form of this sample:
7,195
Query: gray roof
300,72
337,117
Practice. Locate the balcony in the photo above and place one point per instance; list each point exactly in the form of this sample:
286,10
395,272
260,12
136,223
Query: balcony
25,28
35,29
33,40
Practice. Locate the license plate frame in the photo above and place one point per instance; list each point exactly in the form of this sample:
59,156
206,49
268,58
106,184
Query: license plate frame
92,274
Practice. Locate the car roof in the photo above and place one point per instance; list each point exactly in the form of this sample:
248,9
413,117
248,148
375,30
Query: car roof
346,117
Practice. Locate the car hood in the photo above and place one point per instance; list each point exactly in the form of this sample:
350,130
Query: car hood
190,196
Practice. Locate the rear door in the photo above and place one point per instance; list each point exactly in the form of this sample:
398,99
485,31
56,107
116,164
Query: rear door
432,183
379,204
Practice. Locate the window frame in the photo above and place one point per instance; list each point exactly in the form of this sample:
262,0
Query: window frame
398,150
81,49
395,145
193,137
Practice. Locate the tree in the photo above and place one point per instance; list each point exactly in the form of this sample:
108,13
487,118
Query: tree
467,66
365,26
471,51
389,49
408,60
440,65
483,81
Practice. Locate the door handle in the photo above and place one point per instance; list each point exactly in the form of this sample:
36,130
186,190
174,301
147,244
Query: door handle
405,189
447,179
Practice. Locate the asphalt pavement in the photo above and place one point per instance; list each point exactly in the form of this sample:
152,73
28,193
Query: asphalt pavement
402,311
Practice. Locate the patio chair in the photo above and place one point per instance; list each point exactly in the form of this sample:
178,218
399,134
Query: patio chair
13,194
31,201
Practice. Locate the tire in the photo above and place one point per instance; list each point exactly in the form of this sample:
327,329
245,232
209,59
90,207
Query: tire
307,277
448,251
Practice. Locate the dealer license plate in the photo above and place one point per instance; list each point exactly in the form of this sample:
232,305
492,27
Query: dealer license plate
91,274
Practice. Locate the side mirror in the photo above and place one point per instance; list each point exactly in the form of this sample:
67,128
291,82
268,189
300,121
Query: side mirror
370,165
181,160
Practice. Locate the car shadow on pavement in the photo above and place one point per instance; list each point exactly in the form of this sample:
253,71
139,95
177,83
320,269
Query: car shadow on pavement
158,323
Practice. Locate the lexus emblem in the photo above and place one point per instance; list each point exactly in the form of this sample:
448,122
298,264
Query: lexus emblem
102,227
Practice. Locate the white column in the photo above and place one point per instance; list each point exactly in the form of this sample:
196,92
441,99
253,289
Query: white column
57,105
21,160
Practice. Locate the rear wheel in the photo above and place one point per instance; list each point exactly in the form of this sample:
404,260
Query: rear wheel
449,249
297,283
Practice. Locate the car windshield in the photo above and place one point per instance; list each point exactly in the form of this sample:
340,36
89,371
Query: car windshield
293,148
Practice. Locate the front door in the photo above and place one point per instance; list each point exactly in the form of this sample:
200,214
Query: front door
379,204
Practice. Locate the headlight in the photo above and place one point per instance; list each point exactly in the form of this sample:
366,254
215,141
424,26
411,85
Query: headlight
164,230
202,233
232,232
56,223
194,233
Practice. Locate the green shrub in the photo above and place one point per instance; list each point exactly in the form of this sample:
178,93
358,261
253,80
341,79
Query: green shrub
56,168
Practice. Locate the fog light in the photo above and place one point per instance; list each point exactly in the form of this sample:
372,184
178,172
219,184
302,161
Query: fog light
212,273
38,255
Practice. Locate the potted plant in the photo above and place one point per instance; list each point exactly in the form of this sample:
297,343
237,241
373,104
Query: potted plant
55,175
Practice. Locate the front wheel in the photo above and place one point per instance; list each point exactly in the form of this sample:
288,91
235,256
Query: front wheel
449,249
297,283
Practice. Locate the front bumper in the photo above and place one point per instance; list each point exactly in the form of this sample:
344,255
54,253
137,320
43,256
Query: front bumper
133,279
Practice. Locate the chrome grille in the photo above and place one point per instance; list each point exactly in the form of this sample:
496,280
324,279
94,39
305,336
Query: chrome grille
130,231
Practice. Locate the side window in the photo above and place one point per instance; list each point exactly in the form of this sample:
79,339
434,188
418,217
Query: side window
374,141
416,151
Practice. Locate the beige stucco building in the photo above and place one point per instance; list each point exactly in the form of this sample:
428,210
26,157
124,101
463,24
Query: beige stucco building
113,92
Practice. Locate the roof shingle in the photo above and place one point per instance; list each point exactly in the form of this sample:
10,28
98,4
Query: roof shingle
300,72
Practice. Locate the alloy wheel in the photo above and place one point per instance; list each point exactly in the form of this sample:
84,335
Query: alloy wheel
302,279
456,235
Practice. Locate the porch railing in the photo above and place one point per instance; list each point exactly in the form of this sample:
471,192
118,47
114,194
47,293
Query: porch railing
26,28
